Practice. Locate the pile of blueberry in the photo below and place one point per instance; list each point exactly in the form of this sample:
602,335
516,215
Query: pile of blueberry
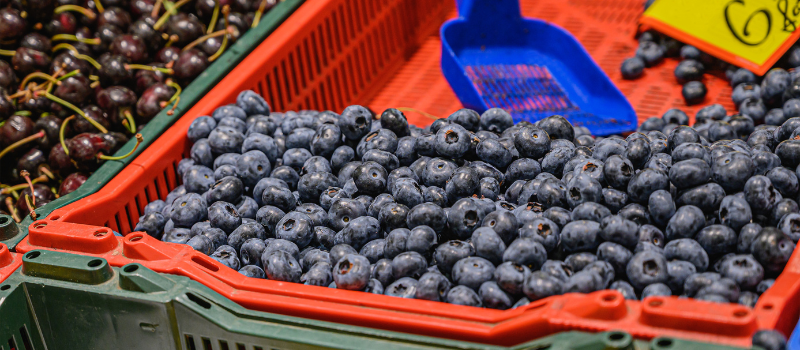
476,210
79,78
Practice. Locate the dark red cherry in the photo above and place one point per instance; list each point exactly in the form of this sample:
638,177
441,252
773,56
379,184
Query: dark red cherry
143,28
37,10
31,161
244,6
114,141
74,89
141,8
12,25
190,64
186,26
62,23
69,63
81,125
114,100
131,47
204,9
237,20
211,45
8,79
6,107
84,148
36,41
16,128
168,54
113,71
37,105
27,61
42,194
150,103
59,161
146,78
51,125
106,33
71,183
115,16
115,3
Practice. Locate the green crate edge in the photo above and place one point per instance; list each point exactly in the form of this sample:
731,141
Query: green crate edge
161,122
164,307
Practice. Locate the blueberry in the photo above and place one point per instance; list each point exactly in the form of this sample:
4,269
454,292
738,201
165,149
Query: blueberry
744,270
152,223
392,216
580,235
624,288
496,120
351,272
217,236
253,271
409,264
646,268
602,269
687,221
408,192
198,179
699,281
374,286
632,68
532,142
318,275
579,261
405,287
177,235
406,150
543,231
432,286
201,128
540,285
650,52
422,239
355,122
619,230
644,183
394,120
472,272
590,211
656,289
772,249
493,297
583,188
769,340
487,244
245,232
227,256
686,249
281,266
723,287
678,272
189,209
760,194
790,225
762,286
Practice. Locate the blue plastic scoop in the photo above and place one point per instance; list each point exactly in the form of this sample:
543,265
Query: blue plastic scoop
493,57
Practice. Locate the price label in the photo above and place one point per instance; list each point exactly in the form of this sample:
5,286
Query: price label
752,34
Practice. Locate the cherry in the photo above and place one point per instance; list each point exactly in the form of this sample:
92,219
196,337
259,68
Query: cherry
146,78
12,25
115,3
114,141
68,2
190,64
114,100
59,160
27,61
143,28
62,23
81,125
250,5
106,33
42,194
31,161
113,71
51,125
71,183
38,10
83,149
131,47
204,8
38,105
115,16
168,54
150,103
7,108
141,8
69,63
237,20
7,76
186,26
36,41
74,89
16,128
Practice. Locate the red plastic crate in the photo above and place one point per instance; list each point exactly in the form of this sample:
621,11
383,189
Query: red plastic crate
323,58
9,262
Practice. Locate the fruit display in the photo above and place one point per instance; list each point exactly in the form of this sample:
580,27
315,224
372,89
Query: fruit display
78,79
475,210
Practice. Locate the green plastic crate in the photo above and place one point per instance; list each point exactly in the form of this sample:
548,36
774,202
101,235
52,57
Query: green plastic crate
64,301
189,96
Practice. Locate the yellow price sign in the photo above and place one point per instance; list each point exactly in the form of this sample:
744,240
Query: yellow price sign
752,34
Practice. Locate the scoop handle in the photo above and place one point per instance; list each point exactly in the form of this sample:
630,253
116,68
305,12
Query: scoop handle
492,11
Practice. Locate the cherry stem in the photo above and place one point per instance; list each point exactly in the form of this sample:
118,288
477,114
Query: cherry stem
175,98
260,11
220,50
171,10
203,38
94,78
129,118
70,74
70,37
214,16
55,192
15,145
94,84
409,109
150,68
156,9
44,170
31,207
27,176
77,110
76,53
75,8
12,210
139,140
61,134
99,6
171,40
23,113
10,189
37,75
9,53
